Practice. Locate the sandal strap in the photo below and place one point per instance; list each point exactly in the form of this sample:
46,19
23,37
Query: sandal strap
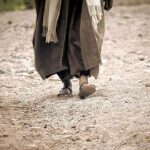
82,85
86,83
61,93
68,89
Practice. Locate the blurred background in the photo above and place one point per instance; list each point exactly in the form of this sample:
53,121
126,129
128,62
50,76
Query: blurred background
28,4
16,4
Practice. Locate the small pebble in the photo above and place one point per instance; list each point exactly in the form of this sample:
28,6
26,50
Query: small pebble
73,127
45,126
88,140
142,59
140,35
9,22
147,85
75,138
5,135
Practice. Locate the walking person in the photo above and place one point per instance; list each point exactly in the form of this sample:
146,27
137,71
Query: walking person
68,39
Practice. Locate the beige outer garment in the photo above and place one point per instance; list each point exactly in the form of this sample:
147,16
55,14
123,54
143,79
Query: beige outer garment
51,14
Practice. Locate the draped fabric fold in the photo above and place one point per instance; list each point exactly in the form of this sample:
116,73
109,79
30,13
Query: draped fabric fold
52,12
68,36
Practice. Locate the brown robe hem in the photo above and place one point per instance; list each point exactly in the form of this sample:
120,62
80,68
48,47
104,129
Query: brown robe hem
49,57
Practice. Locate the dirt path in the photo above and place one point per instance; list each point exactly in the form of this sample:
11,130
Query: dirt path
117,117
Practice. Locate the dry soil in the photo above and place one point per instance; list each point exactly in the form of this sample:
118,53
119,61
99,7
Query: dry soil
117,117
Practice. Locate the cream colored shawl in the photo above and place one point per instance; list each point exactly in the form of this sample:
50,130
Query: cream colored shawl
52,11
51,14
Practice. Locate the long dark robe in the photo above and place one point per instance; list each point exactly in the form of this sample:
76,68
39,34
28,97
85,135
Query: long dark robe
77,49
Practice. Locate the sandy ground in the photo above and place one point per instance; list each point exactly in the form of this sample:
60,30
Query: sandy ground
117,117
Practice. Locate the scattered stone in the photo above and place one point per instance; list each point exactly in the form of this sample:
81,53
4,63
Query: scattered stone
148,65
140,35
88,129
147,85
43,107
84,148
88,140
126,17
77,131
83,116
5,135
9,22
114,41
142,59
27,124
45,126
73,127
2,72
75,138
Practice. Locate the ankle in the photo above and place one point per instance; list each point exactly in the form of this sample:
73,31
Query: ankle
67,83
83,79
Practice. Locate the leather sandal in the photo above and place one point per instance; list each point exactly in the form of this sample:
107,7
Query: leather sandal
86,90
65,92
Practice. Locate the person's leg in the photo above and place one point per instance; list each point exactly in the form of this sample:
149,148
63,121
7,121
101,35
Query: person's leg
85,89
65,75
67,85
74,52
72,55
